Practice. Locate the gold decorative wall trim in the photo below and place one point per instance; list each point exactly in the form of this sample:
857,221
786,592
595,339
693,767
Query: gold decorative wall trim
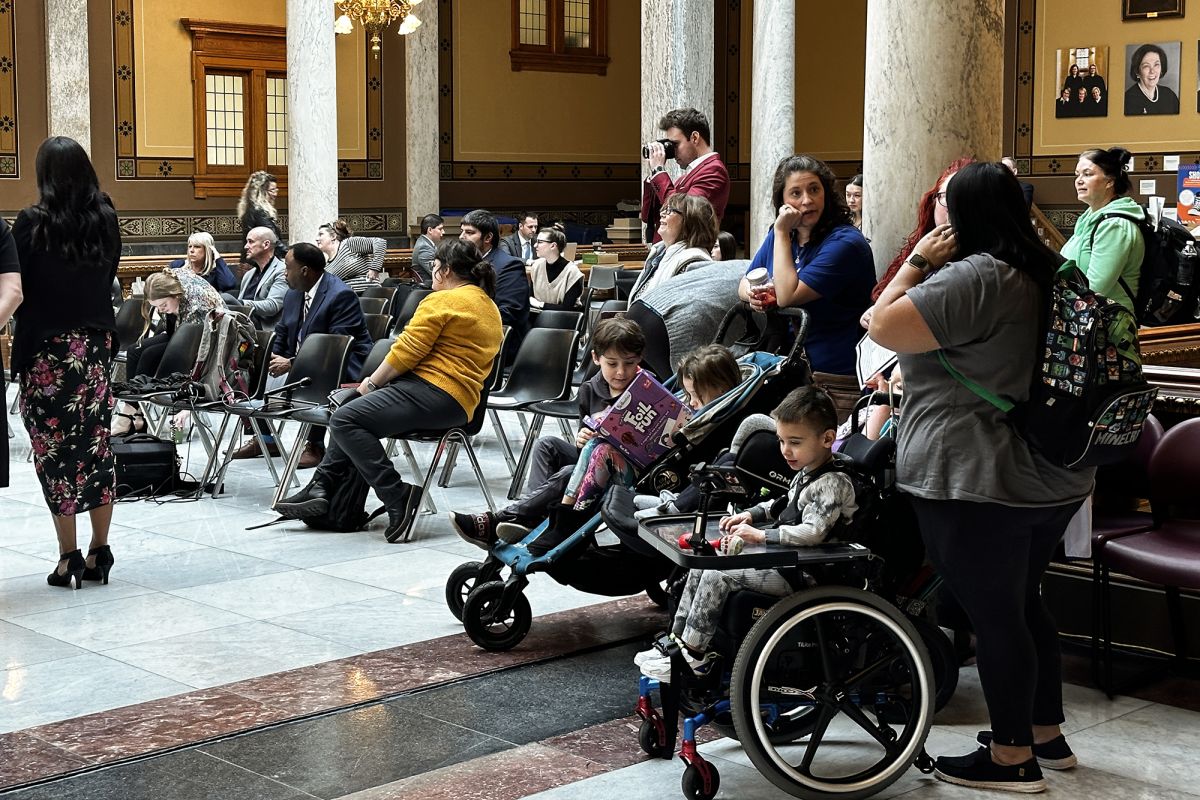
131,167
9,162
142,229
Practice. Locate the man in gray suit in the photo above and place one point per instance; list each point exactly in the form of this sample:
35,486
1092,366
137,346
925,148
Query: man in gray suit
432,229
519,243
263,285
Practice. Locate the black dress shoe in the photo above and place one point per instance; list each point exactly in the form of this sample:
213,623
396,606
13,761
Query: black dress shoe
311,501
402,514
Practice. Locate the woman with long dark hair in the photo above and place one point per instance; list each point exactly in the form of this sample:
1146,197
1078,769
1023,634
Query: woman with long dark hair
992,511
820,262
69,246
432,378
256,209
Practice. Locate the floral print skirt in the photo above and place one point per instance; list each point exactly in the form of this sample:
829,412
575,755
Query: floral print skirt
66,405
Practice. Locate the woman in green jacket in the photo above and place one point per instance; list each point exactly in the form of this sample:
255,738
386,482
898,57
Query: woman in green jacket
1107,243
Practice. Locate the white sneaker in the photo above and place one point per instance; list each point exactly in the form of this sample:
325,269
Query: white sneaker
659,669
654,652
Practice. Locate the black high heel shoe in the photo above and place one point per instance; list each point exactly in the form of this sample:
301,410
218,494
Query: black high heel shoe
104,562
75,567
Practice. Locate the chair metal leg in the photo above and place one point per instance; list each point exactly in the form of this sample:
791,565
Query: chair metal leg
261,438
427,482
524,424
426,496
291,464
214,452
448,467
514,487
487,493
219,478
566,429
505,447
1178,629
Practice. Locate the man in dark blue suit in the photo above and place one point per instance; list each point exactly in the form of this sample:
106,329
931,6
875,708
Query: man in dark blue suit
512,285
316,302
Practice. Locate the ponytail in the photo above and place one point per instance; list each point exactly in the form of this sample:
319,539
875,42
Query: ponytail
466,262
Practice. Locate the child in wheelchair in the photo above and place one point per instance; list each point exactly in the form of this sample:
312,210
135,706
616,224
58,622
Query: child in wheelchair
820,497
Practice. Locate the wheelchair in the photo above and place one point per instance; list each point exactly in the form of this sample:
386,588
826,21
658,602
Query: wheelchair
830,690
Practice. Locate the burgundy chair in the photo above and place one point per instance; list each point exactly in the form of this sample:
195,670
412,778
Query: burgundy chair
1169,554
1120,487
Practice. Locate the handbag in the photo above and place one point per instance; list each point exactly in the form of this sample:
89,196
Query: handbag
339,397
144,465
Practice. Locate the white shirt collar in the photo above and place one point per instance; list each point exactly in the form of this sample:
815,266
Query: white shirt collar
699,161
312,293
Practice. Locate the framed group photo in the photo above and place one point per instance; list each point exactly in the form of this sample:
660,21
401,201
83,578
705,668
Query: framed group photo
1082,82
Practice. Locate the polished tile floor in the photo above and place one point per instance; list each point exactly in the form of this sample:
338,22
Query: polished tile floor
205,614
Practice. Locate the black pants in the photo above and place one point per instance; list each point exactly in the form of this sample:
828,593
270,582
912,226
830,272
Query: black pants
992,558
143,357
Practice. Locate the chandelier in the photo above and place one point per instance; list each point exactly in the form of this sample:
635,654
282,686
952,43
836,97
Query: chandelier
375,16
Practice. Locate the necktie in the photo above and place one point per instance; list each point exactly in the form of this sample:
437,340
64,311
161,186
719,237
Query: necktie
528,251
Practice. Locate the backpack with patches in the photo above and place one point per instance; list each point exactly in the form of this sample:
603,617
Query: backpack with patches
1167,294
1088,400
226,357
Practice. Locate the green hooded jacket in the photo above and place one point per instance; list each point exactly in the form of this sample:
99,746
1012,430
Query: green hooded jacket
1114,253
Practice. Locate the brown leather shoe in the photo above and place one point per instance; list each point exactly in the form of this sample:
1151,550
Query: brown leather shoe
251,450
310,456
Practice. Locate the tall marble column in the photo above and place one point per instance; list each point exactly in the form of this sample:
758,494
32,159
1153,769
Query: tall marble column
773,107
312,128
68,88
932,111
677,63
421,115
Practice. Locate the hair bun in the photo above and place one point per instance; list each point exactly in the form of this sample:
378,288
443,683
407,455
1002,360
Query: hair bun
1122,155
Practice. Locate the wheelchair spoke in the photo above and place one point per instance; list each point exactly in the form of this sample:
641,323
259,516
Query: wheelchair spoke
860,677
824,717
823,648
863,721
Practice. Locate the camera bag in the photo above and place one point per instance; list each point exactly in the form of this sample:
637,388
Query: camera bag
144,465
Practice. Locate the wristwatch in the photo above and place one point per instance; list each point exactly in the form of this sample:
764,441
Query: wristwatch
920,262
370,385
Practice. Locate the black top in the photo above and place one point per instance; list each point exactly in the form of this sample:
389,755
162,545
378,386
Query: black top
60,297
257,217
570,301
594,395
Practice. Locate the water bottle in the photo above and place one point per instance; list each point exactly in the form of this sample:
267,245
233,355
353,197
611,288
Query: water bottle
176,432
1189,257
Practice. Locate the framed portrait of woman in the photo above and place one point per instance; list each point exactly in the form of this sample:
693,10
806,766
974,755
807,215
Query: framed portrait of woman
1151,9
1152,79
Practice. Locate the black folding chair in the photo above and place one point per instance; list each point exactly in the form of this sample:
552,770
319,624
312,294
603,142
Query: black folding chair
372,305
409,308
557,318
378,325
388,293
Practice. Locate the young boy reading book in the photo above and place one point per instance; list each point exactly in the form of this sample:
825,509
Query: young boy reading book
617,346
819,497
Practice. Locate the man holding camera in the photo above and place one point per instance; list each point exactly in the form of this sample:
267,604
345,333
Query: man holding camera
687,137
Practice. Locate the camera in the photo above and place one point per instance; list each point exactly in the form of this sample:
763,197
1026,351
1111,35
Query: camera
667,144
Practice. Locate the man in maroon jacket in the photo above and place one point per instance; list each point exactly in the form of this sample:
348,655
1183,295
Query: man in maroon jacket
704,173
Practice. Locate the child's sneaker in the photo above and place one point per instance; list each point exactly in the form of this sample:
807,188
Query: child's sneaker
661,647
659,669
978,771
478,529
512,532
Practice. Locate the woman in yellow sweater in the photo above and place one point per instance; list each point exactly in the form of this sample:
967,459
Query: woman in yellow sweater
431,379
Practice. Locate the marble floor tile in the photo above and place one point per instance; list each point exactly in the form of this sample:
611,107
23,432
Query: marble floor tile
71,687
24,523
359,749
376,624
654,779
301,546
266,596
14,564
507,775
220,530
25,758
1155,744
418,572
126,542
30,594
203,565
189,775
22,647
222,655
126,621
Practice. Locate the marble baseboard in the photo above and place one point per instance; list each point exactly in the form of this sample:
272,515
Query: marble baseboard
56,749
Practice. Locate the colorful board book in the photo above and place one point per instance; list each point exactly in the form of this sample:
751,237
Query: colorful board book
641,422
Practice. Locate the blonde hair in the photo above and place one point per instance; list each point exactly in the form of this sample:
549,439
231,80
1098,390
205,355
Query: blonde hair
160,286
255,194
205,240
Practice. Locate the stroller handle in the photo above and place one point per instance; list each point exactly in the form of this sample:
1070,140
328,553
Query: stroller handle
742,309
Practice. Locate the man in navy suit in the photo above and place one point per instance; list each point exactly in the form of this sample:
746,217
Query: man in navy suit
512,285
316,302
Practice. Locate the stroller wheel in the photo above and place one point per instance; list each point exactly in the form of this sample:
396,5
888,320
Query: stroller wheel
488,625
459,585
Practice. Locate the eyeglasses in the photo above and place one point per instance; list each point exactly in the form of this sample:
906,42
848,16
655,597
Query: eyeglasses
543,241
941,199
667,211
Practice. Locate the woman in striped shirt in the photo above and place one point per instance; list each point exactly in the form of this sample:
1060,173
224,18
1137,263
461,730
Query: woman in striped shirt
357,260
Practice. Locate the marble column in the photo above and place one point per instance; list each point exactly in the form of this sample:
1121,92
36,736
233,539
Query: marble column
773,107
68,88
312,127
932,110
421,115
677,63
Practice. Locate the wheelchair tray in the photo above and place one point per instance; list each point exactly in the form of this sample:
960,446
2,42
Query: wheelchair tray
664,532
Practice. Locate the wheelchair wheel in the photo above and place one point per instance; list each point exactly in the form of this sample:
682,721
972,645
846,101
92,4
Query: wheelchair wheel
848,664
489,630
942,657
692,782
648,740
460,583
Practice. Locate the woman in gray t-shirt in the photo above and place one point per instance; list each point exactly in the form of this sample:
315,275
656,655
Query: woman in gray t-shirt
991,510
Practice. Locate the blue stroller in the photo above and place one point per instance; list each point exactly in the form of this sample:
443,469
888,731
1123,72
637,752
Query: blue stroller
495,612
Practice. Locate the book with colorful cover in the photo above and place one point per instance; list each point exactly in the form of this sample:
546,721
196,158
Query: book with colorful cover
641,422
1188,203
